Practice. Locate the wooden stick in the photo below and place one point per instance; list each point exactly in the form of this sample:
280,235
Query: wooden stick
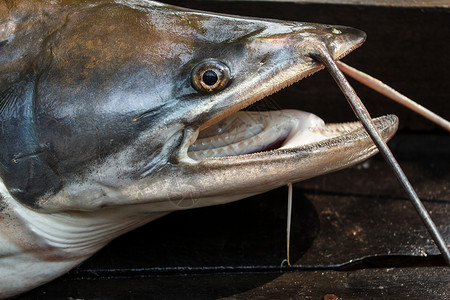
389,92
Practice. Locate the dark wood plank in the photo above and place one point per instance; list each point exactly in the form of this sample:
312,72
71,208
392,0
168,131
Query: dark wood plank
396,283
364,209
390,3
385,283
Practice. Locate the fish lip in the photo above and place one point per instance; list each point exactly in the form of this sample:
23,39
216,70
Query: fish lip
350,49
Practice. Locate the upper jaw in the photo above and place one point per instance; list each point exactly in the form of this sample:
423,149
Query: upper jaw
275,130
291,64
271,62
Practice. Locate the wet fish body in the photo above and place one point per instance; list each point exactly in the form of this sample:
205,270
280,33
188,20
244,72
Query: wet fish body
112,112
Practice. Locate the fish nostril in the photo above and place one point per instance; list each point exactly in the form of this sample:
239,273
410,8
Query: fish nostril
336,31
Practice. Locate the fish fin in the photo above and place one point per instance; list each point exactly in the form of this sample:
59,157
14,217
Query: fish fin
159,159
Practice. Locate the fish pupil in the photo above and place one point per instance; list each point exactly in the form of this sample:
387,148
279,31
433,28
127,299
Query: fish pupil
210,78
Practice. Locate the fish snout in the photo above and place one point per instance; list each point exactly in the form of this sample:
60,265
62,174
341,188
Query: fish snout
343,40
337,41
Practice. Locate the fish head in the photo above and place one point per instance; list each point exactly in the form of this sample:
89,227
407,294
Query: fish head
138,103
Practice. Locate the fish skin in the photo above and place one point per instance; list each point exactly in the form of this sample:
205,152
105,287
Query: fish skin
77,170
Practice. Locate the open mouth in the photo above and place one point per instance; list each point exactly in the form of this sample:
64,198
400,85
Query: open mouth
247,132
250,132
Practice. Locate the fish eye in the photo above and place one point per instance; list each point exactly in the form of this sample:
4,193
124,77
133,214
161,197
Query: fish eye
210,76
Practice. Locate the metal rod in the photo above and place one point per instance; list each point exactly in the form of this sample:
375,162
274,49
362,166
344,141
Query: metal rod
322,55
